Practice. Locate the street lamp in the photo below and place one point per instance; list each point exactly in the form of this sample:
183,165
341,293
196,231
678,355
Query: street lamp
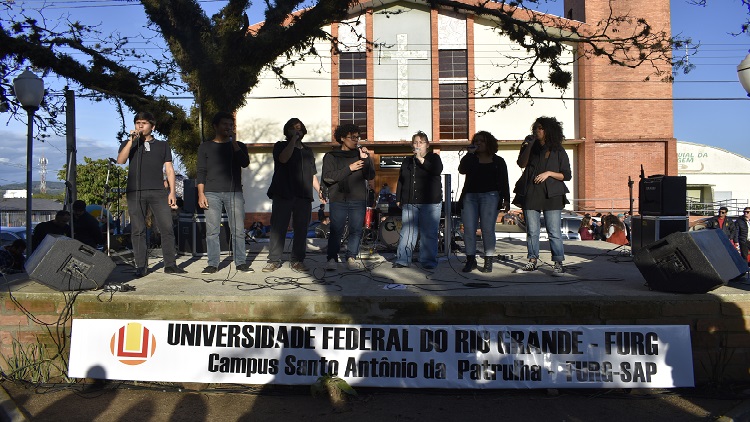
29,90
743,72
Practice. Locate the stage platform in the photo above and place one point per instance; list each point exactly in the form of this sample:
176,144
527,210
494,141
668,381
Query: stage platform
602,286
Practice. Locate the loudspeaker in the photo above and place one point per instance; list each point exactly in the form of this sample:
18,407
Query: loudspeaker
190,197
693,262
66,264
191,234
662,195
648,229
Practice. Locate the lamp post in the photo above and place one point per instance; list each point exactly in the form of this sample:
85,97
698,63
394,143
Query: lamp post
743,72
29,90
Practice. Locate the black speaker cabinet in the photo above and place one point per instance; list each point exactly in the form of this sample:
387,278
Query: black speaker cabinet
662,195
66,264
693,262
190,197
648,229
191,234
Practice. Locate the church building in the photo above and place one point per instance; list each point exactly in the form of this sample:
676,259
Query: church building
436,70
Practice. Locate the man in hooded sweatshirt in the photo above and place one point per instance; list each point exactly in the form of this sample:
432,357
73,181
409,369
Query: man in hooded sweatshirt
346,171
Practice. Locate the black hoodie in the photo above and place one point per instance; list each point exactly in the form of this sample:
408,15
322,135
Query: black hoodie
343,184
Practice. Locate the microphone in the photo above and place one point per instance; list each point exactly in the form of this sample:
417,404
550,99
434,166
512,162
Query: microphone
113,161
529,139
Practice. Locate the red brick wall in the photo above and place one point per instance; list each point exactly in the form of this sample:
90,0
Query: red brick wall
625,121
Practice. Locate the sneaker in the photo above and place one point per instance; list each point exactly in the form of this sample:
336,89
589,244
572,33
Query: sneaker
174,269
271,267
397,265
529,267
353,264
299,267
141,272
332,265
245,268
209,270
558,269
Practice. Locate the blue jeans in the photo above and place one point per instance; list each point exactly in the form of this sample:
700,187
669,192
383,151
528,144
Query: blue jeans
421,220
480,209
552,220
234,203
340,211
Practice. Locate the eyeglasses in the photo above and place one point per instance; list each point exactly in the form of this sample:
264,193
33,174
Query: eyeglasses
352,137
420,142
722,212
746,211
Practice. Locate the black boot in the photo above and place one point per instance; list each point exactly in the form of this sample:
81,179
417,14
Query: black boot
471,263
487,265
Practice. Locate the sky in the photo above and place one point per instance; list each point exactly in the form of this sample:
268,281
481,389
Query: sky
709,103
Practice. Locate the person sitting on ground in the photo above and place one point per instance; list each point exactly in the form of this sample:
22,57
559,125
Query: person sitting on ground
11,257
85,227
586,231
615,230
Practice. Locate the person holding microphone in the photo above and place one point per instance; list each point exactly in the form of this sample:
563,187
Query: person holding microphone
219,181
419,194
485,191
346,171
148,156
294,178
541,190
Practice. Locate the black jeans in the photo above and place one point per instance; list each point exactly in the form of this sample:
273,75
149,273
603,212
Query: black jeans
138,204
299,210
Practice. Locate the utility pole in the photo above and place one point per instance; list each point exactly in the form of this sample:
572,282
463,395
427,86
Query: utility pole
70,138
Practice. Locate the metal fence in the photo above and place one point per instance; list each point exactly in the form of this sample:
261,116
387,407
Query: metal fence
17,218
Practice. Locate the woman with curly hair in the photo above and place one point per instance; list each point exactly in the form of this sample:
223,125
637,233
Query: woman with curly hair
541,189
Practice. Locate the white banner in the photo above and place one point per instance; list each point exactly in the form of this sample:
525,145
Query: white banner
436,356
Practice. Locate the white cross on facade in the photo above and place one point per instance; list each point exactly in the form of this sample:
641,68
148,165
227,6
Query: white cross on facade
401,56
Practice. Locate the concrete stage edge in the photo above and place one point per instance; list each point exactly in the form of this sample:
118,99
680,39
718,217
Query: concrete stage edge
602,286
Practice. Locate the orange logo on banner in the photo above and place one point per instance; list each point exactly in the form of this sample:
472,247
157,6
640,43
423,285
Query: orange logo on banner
132,344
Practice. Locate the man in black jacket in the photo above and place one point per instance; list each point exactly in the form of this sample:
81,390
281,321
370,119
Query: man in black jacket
294,178
722,222
59,225
741,232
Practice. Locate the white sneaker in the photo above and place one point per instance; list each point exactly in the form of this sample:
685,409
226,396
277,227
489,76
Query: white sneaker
353,264
332,265
558,270
529,267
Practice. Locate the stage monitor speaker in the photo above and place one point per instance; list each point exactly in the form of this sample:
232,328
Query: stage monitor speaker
662,195
646,229
693,262
66,264
190,197
191,234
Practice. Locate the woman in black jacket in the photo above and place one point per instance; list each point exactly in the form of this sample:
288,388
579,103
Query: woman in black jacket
419,194
541,189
